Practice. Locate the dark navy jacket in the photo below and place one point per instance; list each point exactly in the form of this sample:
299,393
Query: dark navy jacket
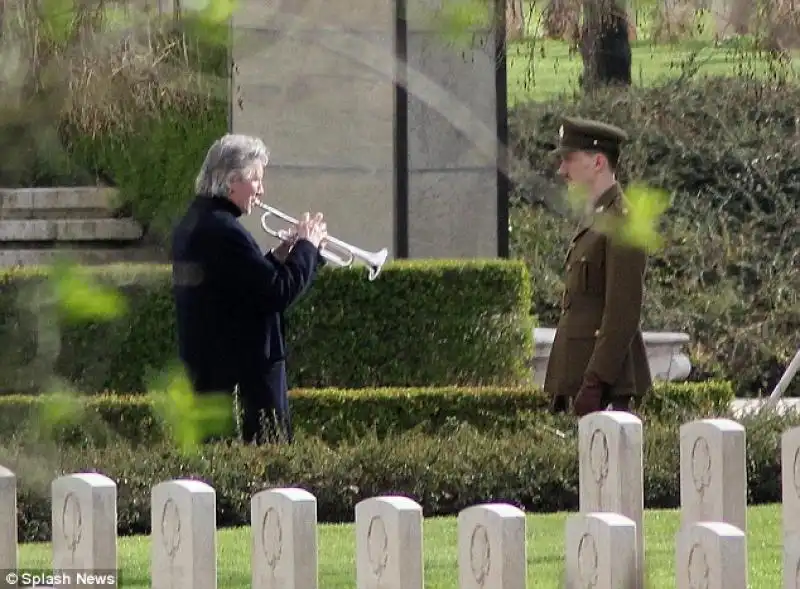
229,297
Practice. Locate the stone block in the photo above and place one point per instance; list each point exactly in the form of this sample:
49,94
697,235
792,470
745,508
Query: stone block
69,230
601,552
33,201
389,543
491,547
84,520
791,561
453,214
790,480
431,15
712,555
8,519
284,529
713,473
183,535
87,256
293,15
611,470
452,109
358,206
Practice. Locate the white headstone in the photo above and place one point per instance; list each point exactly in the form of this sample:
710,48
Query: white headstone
712,555
84,524
389,543
611,469
790,480
791,561
8,519
601,552
184,535
284,528
713,472
491,547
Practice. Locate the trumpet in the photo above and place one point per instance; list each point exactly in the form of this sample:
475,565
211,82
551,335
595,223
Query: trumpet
374,261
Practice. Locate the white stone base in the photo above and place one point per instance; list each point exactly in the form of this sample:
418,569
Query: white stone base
667,362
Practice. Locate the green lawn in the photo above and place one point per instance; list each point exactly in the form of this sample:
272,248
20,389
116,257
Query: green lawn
539,69
546,70
545,550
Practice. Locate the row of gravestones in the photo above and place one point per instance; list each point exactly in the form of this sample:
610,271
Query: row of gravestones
604,545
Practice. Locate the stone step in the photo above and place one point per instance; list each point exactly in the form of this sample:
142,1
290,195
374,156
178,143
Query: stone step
70,202
53,230
89,256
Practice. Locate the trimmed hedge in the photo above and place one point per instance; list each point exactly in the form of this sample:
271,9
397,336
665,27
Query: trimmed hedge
338,415
459,467
421,324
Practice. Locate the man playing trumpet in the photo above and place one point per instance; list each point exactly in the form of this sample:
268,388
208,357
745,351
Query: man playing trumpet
230,298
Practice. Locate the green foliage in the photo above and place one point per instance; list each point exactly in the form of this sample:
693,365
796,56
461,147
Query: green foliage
332,415
130,99
155,179
727,270
345,332
528,466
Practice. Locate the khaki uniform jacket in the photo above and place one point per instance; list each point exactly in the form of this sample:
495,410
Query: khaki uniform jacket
599,327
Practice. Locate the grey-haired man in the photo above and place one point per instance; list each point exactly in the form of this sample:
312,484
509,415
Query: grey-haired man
230,298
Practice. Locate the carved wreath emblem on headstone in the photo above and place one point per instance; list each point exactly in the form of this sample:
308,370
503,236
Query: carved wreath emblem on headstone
598,456
700,464
272,537
480,554
377,545
697,568
72,522
171,528
587,561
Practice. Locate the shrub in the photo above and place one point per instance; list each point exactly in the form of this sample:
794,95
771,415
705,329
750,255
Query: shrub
420,324
338,415
132,100
531,468
728,272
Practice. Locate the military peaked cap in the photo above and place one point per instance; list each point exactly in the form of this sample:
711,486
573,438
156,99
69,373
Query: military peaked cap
586,135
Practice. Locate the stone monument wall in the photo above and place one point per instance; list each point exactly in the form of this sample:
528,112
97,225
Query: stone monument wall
374,119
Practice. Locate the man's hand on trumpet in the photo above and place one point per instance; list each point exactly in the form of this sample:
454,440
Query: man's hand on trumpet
313,229
288,239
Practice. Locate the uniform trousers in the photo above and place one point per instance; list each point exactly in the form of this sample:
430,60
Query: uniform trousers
561,404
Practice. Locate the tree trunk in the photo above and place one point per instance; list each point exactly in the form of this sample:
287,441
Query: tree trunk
515,20
605,45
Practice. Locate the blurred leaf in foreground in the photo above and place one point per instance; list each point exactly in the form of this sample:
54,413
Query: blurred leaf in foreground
80,298
189,417
646,205
458,20
59,409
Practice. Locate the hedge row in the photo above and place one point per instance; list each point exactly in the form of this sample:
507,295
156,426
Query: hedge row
458,467
336,415
420,324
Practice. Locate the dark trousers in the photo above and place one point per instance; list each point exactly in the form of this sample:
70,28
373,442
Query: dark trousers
562,404
264,403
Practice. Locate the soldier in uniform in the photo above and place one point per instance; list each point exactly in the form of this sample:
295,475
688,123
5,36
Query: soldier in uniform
598,358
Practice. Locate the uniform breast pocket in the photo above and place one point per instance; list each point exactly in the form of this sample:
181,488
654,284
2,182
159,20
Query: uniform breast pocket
582,274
